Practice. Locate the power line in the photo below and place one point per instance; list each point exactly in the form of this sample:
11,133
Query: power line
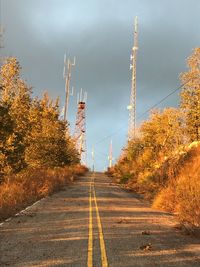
108,136
164,98
145,112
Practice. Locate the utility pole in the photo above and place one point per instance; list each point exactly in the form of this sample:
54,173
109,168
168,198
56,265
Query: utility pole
92,159
80,127
132,105
110,157
67,77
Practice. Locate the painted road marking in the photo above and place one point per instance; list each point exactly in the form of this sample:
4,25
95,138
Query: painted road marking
92,196
104,261
90,237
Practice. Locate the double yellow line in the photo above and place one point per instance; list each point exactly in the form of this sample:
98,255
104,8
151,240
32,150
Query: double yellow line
92,196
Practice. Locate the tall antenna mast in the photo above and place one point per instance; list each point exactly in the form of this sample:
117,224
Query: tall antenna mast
67,77
132,105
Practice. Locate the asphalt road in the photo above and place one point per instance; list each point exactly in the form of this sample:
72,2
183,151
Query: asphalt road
95,223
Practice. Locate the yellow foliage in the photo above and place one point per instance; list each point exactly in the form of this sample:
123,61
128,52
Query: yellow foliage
182,195
188,191
143,177
26,187
166,199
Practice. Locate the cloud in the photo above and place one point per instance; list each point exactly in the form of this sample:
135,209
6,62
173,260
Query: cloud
100,35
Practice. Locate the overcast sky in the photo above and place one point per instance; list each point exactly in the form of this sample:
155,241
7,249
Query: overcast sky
100,34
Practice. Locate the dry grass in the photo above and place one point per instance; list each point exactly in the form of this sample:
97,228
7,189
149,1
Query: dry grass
188,191
172,185
28,186
166,199
182,195
79,170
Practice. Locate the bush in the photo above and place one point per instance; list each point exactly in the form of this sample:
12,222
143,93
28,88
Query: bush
28,186
80,169
125,178
182,195
188,191
166,199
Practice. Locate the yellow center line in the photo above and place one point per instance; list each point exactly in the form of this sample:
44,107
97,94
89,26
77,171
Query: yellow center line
104,261
90,238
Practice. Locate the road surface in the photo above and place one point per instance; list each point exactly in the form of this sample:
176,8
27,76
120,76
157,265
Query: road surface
95,223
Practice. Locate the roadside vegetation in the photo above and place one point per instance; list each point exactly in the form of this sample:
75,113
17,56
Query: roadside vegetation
37,155
163,160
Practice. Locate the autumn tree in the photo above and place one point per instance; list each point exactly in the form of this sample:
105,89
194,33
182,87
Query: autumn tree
159,138
190,96
48,143
159,162
6,129
15,104
32,133
162,133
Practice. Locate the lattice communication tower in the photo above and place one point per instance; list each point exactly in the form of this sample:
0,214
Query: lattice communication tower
80,127
132,105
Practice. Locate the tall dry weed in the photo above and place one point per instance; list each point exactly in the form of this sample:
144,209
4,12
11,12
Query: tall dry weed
182,195
22,189
188,192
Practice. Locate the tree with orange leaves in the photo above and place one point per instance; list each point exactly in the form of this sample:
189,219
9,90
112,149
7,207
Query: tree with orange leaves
190,96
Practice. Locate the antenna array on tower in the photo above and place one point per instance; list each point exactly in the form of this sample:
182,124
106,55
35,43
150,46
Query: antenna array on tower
67,76
132,105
